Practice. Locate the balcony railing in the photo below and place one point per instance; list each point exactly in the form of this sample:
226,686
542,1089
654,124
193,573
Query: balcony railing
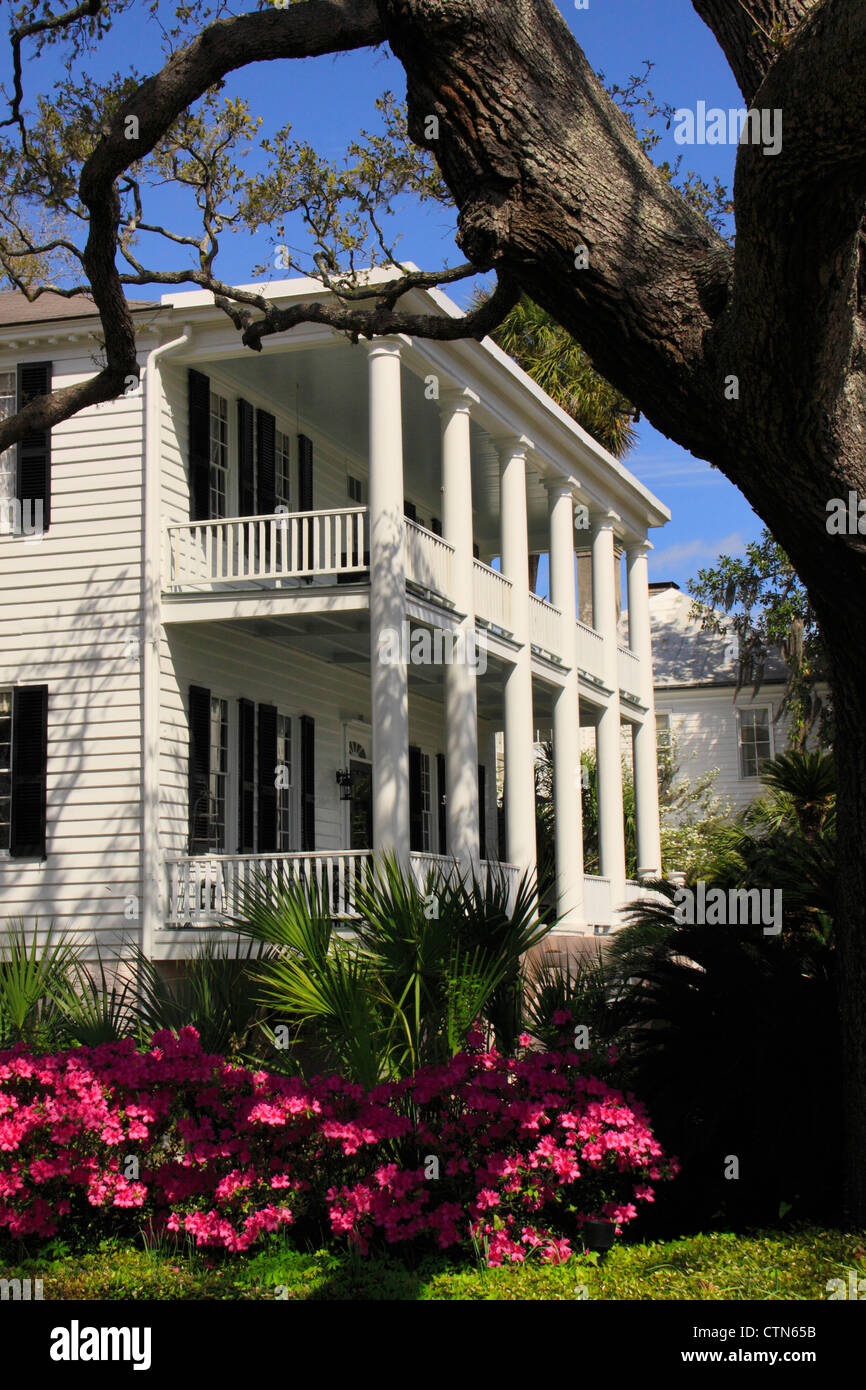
264,549
590,650
492,596
428,559
205,890
628,670
545,625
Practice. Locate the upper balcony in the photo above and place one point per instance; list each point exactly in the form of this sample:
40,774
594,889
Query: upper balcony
299,550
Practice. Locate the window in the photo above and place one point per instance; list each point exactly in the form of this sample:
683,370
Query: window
219,454
285,809
755,740
663,733
355,489
5,768
284,470
219,767
8,459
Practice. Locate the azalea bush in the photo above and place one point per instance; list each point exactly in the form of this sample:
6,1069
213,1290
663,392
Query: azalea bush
511,1155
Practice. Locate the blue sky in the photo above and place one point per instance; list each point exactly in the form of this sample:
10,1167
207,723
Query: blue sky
328,100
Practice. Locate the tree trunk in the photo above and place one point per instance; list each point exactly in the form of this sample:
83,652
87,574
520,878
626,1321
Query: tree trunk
849,690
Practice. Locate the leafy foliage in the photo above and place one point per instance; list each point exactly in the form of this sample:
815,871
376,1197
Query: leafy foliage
767,608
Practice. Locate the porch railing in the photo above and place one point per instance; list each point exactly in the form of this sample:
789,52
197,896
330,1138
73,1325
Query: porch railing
492,596
205,890
261,549
590,650
544,625
628,670
428,559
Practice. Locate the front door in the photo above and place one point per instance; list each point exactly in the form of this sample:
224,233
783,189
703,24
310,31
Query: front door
360,807
361,810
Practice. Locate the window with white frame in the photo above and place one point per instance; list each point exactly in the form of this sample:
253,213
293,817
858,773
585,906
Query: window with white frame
663,733
284,470
755,740
285,789
219,455
8,461
5,767
219,769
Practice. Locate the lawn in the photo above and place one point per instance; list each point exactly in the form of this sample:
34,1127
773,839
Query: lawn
782,1266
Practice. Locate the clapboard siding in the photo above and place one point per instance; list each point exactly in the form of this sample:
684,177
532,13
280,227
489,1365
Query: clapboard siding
705,726
71,606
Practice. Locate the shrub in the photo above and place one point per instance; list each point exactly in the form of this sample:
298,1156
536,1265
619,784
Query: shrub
513,1154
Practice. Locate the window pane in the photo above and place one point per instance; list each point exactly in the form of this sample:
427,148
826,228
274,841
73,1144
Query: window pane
284,470
285,804
8,470
5,766
219,742
219,454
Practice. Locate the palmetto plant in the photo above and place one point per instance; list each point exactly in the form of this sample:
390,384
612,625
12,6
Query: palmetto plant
217,994
418,969
34,974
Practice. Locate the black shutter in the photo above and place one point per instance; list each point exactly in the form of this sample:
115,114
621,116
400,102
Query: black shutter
440,792
416,809
266,440
482,809
246,461
267,779
199,446
29,769
436,526
410,511
308,783
476,553
305,473
34,450
199,770
246,776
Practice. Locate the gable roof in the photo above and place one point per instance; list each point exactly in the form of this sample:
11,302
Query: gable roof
684,655
15,307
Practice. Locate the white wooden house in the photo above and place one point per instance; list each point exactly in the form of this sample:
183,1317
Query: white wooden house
200,584
713,722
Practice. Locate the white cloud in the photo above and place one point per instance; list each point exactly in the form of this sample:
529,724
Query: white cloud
696,552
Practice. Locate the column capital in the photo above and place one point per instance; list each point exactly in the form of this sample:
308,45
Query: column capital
638,546
383,347
561,487
604,520
457,398
513,445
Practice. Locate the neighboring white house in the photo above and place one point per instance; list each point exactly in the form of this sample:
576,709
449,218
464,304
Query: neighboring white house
211,587
698,705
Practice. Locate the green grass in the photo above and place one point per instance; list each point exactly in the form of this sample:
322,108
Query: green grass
789,1265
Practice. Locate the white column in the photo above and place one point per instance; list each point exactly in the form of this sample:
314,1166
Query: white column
646,785
519,726
461,705
568,811
389,692
611,835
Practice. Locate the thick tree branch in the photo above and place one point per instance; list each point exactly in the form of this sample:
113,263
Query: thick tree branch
304,30
752,33
382,319
540,163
